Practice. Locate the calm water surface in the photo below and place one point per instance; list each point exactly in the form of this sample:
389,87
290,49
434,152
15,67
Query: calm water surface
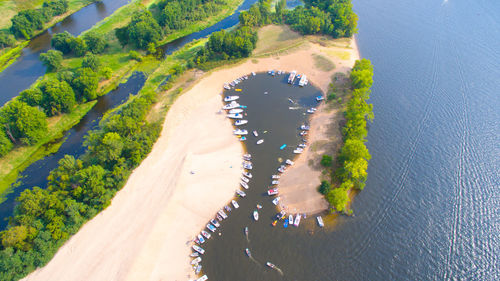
430,208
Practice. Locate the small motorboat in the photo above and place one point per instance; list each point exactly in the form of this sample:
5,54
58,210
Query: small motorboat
319,98
259,206
272,191
276,201
282,147
235,110
240,132
198,249
255,133
260,141
243,138
248,175
304,127
214,222
211,227
247,251
296,222
227,208
275,177
246,231
253,73
281,169
244,184
298,150
235,116
226,86
237,90
247,156
241,193
198,269
219,217
303,133
201,239
247,166
311,110
285,224
202,278
231,105
196,261
302,145
195,254
231,98
289,162
255,215
222,214
205,234
290,219
235,204
275,182
245,179
240,122
270,265
320,221
274,223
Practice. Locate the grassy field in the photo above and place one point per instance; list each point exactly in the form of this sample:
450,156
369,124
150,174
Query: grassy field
274,39
323,63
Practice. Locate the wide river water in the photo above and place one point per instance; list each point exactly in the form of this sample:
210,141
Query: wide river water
430,209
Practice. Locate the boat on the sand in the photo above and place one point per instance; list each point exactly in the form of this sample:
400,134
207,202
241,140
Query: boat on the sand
276,200
245,179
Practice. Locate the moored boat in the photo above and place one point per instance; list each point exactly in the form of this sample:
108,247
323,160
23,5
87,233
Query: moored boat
311,110
303,81
292,77
235,110
289,162
235,116
270,265
274,223
248,175
240,132
290,219
231,105
201,239
285,224
255,133
231,98
235,204
296,222
272,191
276,200
222,214
260,141
198,269
281,169
302,145
320,221
319,98
211,227
206,234
275,177
247,156
305,127
215,223
198,249
303,133
298,150
241,193
275,182
245,179
195,254
227,208
247,166
255,215
196,261
240,122
202,278
244,184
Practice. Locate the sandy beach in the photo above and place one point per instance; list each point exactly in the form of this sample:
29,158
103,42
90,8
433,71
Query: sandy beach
191,172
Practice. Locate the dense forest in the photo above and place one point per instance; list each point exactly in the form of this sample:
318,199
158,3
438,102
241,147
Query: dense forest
354,156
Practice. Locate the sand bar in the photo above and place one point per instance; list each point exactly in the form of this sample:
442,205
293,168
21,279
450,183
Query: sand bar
145,234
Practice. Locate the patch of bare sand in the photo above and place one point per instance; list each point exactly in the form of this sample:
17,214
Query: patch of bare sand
145,233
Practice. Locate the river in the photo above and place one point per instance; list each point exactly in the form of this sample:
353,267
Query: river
28,67
430,207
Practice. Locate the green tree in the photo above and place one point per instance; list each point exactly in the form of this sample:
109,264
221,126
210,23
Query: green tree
16,237
85,84
52,60
23,123
142,30
326,161
6,39
63,42
338,198
58,97
32,96
79,47
91,61
325,187
107,72
5,144
95,42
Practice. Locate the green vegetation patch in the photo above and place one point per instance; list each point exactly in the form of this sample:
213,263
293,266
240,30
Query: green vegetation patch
323,63
273,38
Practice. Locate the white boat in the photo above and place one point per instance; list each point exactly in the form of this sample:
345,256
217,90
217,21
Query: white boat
222,214
275,177
303,81
247,251
245,179
292,77
319,98
248,175
235,110
226,86
235,116
290,219
240,122
247,166
211,227
272,191
196,261
244,184
276,200
296,222
255,215
231,105
206,234
281,169
194,255
311,110
241,193
255,133
198,249
275,182
247,156
289,162
235,204
270,265
320,221
214,222
240,132
253,73
302,145
202,278
298,150
303,133
231,98
201,239
260,141
305,127
198,269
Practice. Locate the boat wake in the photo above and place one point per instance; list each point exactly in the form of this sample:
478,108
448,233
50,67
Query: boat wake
279,270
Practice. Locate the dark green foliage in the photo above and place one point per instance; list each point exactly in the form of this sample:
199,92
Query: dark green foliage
95,42
26,22
5,144
85,84
32,97
332,17
58,97
324,188
63,42
23,123
6,39
135,55
280,9
326,161
91,61
79,47
52,60
259,14
142,30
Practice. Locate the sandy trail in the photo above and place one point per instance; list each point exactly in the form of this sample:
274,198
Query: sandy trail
144,234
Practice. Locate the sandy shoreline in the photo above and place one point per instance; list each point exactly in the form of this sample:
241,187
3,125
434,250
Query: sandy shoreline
145,233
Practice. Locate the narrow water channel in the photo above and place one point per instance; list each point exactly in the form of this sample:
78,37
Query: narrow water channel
28,67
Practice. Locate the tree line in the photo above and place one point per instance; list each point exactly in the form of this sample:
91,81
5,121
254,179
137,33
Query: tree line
354,155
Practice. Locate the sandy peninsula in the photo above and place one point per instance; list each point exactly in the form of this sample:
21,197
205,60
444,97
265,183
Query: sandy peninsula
191,172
